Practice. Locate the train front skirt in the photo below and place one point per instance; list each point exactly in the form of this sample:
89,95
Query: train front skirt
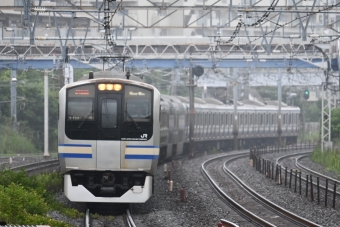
137,194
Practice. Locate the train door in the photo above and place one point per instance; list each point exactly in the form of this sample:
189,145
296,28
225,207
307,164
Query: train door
109,126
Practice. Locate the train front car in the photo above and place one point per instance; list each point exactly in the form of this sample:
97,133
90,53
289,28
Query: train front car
108,140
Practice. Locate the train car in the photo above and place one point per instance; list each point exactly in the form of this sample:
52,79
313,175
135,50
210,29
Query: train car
109,138
214,124
114,130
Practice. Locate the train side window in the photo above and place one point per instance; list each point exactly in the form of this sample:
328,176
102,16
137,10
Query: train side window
284,119
109,113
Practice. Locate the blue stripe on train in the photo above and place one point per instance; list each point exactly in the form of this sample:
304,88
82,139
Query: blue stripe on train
143,156
138,146
75,145
67,155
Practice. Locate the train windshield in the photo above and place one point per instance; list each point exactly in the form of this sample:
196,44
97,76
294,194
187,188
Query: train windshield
80,103
138,104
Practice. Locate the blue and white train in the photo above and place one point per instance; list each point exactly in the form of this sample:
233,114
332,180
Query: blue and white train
113,130
108,139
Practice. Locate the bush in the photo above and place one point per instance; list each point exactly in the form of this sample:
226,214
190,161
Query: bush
25,199
12,142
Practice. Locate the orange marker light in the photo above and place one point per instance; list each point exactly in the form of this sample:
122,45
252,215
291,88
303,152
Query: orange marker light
109,87
101,87
117,87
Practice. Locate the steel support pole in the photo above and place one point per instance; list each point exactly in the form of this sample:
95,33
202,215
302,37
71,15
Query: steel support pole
235,120
191,113
14,99
279,117
46,153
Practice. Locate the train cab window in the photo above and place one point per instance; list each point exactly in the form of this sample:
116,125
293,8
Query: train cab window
109,113
80,103
138,104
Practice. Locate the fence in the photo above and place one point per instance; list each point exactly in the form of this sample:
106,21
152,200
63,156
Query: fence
292,178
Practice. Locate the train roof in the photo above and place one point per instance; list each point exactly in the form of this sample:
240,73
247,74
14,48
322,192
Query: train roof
208,103
112,74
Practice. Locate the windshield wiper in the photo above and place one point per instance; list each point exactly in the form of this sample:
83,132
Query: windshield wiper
129,116
87,115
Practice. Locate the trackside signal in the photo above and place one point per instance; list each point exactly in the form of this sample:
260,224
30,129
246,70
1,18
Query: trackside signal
306,94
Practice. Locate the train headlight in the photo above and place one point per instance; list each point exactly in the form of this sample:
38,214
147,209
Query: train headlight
101,87
110,87
117,87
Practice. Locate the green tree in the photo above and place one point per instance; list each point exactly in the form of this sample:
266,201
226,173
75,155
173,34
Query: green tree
335,126
313,112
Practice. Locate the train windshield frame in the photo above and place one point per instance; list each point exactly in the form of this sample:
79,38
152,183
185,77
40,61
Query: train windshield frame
80,103
138,104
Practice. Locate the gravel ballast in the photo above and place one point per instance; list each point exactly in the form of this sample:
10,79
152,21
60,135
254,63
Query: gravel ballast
201,206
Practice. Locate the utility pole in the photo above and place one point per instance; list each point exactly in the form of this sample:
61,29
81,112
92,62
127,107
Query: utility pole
303,117
191,112
279,117
14,98
46,154
235,120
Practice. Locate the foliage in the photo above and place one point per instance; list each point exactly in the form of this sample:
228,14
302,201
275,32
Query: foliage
308,137
214,150
330,159
335,126
12,142
26,199
313,112
30,110
267,92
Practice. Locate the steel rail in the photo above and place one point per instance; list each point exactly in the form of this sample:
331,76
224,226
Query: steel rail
306,169
312,171
227,199
39,166
272,206
129,219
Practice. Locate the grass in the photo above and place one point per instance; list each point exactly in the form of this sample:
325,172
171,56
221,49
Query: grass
25,200
330,159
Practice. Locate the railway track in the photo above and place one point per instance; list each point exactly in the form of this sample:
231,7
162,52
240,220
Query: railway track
34,166
39,167
125,220
319,180
254,208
